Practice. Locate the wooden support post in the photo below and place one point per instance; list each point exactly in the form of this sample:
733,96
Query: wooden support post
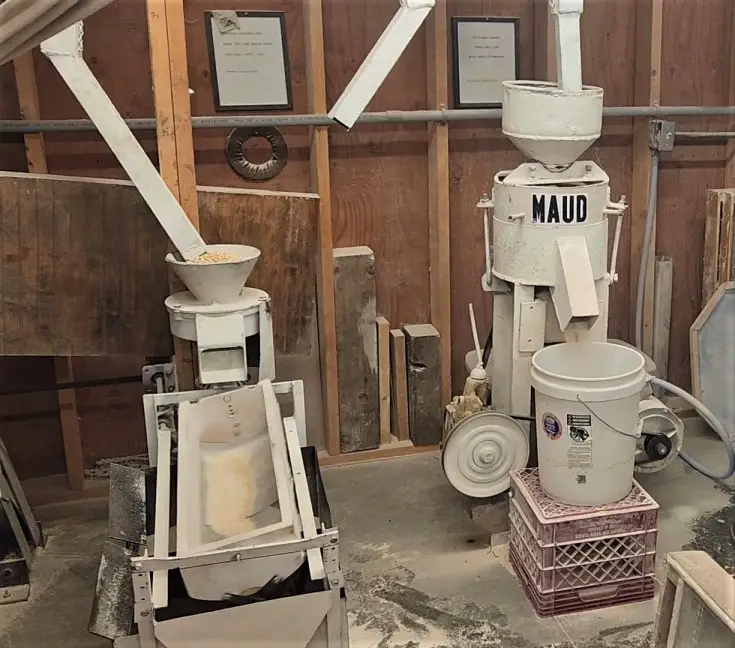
649,19
25,80
384,377
320,184
357,348
439,269
174,134
398,385
662,314
425,412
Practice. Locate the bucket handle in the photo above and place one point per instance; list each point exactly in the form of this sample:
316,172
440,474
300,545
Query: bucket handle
635,435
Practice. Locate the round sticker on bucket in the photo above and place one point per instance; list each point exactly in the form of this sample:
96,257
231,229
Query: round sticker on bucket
552,426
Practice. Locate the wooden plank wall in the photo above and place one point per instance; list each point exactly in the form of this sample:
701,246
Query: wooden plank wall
84,274
379,174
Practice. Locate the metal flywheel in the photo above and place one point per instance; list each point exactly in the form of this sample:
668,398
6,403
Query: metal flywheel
481,450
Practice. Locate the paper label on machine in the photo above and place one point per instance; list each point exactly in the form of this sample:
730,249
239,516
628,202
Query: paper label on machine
559,208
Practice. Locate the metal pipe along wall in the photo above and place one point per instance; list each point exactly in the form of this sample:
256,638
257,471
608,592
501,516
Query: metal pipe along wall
387,117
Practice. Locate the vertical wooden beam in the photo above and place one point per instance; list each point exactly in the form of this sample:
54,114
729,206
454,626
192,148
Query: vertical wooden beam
25,80
357,348
69,418
384,377
544,52
167,38
649,20
398,385
439,268
320,184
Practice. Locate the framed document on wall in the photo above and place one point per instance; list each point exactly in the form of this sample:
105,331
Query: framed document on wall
248,55
485,53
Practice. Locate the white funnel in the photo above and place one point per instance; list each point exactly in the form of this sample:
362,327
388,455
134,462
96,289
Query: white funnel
550,125
218,281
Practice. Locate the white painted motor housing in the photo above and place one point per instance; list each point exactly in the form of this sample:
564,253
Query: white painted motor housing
533,207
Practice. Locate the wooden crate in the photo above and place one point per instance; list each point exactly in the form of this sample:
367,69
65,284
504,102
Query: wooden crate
697,604
718,261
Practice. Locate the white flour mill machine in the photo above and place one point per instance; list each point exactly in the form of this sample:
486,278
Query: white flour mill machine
549,266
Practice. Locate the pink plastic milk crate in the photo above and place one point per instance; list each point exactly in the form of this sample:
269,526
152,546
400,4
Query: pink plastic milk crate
576,557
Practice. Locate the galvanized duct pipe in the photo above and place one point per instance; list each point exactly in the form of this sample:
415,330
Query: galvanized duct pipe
387,117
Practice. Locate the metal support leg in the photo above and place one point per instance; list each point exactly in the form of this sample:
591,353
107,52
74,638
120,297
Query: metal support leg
267,367
143,609
502,352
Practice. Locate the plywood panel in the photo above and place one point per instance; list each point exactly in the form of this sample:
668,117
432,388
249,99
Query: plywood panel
612,68
702,29
284,228
83,269
212,168
379,173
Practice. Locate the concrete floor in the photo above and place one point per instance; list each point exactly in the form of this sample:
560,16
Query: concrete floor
419,573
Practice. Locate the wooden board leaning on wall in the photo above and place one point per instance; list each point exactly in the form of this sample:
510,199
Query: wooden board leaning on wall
83,269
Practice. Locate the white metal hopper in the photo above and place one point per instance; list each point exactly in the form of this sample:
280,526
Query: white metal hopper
235,488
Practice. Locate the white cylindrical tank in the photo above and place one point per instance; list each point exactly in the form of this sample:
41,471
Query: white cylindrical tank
587,396
533,207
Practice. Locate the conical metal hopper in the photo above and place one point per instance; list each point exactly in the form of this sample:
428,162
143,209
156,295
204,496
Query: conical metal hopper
550,125
219,281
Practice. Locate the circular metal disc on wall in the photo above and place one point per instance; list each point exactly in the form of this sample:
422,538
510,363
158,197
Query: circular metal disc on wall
481,450
257,172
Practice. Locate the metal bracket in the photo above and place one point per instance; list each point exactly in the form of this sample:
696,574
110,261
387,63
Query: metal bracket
143,609
332,568
159,378
662,134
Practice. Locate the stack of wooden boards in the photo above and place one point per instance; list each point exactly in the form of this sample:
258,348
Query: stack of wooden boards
718,261
389,380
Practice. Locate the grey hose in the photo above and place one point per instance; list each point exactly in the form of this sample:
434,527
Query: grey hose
650,217
712,421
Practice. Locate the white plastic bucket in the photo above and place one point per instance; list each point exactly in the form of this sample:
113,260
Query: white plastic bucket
587,396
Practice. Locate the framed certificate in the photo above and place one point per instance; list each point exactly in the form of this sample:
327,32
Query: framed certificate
249,60
485,53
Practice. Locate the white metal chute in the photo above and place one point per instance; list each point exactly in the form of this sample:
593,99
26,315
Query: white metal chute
567,14
380,61
64,50
27,23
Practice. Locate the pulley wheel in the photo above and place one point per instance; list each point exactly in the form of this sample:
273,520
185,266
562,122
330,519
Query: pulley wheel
481,450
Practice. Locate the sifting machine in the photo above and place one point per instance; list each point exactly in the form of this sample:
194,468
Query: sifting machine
227,530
